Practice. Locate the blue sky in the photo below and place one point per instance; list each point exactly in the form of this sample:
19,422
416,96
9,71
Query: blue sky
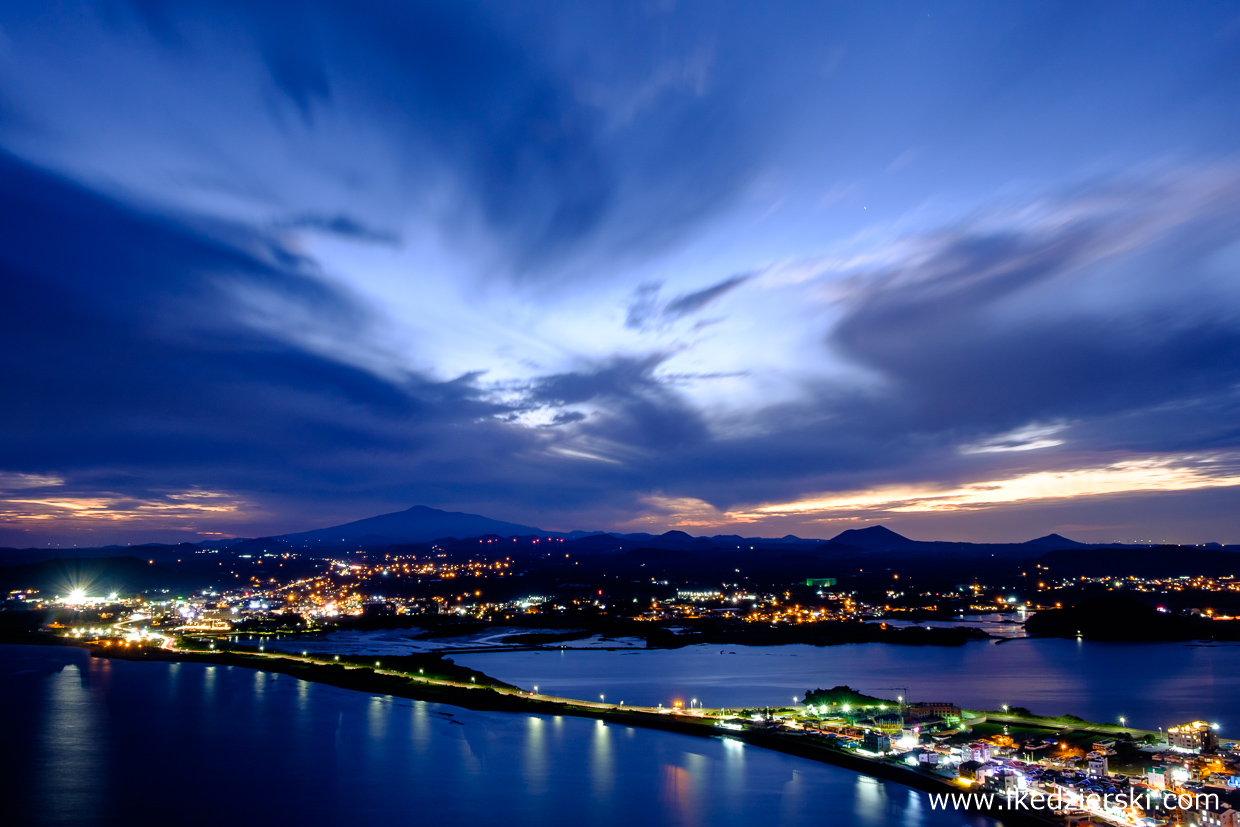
969,269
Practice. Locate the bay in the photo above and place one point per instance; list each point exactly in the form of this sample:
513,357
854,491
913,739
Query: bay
1150,685
92,741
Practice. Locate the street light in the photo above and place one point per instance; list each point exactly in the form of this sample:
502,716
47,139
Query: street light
1123,721
1005,707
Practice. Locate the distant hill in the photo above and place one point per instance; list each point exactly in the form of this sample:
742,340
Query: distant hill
875,538
1054,541
419,524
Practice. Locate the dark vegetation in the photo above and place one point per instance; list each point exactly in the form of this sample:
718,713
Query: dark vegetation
1121,617
839,695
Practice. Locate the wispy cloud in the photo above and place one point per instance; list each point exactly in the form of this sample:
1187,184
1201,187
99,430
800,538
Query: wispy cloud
1152,474
1028,438
10,481
171,508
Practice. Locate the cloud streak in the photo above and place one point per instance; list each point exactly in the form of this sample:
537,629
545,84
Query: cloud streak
1155,474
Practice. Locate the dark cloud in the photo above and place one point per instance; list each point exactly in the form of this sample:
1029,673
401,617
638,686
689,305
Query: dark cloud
1105,309
692,302
644,308
123,346
343,226
617,379
639,415
647,311
552,160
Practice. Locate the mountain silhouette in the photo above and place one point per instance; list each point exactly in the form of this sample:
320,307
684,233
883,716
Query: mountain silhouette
419,524
1054,541
875,538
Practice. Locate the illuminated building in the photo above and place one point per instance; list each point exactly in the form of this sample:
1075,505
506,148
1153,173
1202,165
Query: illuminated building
877,742
1197,736
924,710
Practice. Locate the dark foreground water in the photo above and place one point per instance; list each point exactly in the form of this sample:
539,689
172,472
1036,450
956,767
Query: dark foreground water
93,741
1150,684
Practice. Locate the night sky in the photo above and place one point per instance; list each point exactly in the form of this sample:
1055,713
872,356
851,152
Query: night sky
968,269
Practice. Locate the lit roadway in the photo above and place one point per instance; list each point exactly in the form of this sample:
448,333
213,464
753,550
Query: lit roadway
598,705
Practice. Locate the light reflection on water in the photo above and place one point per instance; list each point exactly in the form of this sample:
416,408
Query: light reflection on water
69,746
147,743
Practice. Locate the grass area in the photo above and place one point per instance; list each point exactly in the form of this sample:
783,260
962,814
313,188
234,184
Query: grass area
1022,717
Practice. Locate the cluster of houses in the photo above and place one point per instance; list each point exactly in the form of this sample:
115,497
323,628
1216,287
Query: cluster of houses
1189,779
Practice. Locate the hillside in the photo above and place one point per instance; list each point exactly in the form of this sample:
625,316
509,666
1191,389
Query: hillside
419,524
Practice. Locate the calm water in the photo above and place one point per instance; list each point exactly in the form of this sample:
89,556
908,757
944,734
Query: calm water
92,741
1151,685
402,642
998,625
